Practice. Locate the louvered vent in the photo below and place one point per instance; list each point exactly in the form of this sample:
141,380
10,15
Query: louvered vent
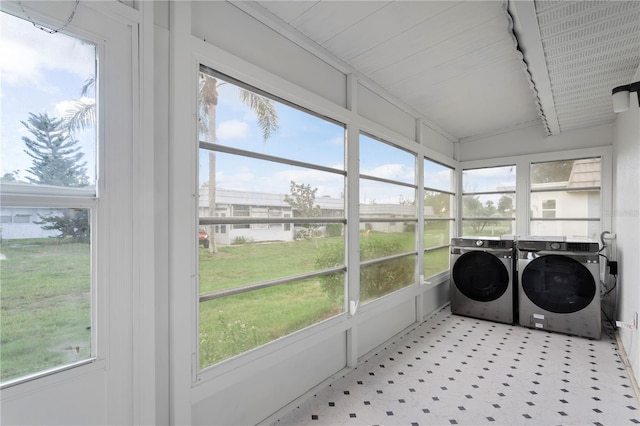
590,47
579,247
497,244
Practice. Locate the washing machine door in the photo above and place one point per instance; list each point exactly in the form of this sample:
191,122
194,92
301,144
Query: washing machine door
480,276
558,284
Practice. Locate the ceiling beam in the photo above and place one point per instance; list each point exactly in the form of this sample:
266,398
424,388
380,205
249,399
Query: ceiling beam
527,32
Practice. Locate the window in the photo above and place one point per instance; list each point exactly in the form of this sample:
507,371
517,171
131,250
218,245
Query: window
47,284
280,266
565,198
388,218
488,201
548,209
439,221
22,218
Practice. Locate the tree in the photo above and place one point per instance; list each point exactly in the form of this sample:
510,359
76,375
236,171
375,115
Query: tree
56,156
505,204
70,223
265,111
57,160
82,114
10,176
302,200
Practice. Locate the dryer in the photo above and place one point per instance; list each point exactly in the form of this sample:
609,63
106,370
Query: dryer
559,286
482,278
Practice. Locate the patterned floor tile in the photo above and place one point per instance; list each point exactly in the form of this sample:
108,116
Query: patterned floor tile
455,370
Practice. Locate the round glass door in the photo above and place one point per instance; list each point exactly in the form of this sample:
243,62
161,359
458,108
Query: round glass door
558,284
480,276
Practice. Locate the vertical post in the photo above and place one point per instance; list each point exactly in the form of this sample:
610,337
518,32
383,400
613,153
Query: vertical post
352,198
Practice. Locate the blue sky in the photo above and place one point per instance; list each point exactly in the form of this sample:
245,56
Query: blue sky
39,73
307,138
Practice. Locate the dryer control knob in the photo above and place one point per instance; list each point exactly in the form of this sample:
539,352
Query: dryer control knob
555,246
479,243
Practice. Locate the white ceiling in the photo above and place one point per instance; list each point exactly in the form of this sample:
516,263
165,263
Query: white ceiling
476,68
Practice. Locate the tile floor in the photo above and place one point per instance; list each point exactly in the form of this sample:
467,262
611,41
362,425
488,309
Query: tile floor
457,370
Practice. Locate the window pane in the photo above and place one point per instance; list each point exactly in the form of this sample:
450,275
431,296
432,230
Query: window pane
249,178
234,324
45,294
583,173
489,206
488,227
490,179
566,204
385,161
568,228
381,239
437,233
248,260
383,199
437,176
47,107
241,118
386,277
436,261
260,199
437,204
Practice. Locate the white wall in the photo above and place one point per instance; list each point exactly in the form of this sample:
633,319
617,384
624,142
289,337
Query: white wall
532,140
626,219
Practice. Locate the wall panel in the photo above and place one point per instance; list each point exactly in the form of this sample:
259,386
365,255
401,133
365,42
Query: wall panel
229,28
532,140
255,398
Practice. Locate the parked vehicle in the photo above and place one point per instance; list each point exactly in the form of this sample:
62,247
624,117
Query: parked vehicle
203,238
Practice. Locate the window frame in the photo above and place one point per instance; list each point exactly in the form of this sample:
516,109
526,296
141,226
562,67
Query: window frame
260,223
35,196
451,219
464,194
568,219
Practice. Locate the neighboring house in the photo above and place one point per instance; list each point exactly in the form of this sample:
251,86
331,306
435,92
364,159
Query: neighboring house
232,203
20,223
577,198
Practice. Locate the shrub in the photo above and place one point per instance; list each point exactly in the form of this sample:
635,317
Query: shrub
334,229
376,279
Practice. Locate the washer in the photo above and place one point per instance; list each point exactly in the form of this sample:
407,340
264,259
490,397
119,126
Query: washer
560,286
482,278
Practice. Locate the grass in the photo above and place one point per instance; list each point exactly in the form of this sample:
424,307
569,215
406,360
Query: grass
44,305
45,298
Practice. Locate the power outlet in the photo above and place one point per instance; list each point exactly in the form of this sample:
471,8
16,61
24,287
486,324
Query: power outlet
621,324
631,326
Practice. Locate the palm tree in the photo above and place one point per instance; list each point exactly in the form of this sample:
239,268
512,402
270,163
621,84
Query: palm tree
82,114
266,114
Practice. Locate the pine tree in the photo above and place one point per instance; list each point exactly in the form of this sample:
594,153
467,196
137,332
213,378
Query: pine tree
57,159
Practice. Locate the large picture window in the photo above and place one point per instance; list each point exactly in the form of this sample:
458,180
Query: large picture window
439,212
48,186
271,203
565,198
488,201
388,218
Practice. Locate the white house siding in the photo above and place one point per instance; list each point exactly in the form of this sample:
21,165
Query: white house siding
18,223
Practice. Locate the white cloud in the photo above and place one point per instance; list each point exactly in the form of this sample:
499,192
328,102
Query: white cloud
27,53
398,172
233,129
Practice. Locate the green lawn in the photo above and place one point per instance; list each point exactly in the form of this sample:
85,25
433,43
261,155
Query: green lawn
44,305
45,292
